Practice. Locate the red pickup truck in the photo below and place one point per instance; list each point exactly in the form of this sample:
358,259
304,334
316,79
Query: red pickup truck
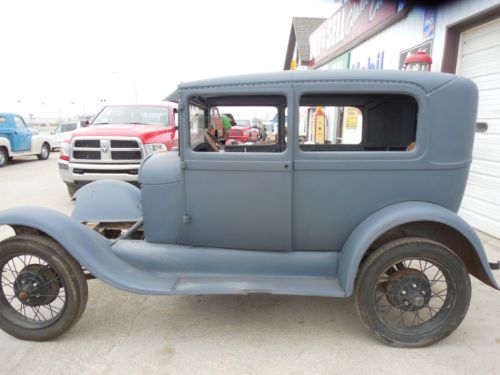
115,143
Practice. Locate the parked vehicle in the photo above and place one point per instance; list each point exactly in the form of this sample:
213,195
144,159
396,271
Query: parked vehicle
115,143
247,131
62,132
16,139
377,218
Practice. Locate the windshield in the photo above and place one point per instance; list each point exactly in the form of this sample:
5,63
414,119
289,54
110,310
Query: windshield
140,115
243,123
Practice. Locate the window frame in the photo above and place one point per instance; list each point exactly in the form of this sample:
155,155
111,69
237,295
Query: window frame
368,89
186,150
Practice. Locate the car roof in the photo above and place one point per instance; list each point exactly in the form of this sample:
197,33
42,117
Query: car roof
424,80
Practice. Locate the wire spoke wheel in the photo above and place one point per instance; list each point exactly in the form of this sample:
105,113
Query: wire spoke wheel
31,291
43,290
412,292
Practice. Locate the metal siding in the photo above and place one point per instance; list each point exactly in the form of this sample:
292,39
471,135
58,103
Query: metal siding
478,60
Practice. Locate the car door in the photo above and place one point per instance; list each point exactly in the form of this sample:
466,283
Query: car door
22,136
238,197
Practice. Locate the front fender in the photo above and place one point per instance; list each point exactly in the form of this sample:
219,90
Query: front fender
89,248
108,201
390,217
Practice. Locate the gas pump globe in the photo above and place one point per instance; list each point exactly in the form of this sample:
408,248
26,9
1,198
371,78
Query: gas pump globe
418,61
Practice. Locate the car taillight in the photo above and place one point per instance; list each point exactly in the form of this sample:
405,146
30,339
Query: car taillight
64,155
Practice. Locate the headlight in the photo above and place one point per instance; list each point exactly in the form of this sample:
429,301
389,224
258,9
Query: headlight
155,147
246,132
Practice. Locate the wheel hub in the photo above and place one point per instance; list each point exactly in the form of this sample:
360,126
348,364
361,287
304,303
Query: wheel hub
409,289
37,285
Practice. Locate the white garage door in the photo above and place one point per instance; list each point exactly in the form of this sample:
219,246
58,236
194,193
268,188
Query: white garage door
479,59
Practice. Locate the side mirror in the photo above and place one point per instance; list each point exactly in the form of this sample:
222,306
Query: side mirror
85,123
53,132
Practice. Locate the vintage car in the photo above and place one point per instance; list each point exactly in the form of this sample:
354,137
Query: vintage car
369,208
17,139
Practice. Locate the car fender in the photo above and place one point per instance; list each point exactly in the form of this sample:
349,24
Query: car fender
4,142
108,201
392,216
90,249
37,141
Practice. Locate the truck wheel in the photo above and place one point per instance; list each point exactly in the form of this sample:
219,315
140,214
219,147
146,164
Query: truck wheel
4,157
72,189
44,152
43,291
412,292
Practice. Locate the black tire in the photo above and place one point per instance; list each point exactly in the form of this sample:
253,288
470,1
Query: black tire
4,157
72,189
39,258
396,298
45,152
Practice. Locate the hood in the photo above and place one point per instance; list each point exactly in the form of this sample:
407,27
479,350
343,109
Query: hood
239,127
145,132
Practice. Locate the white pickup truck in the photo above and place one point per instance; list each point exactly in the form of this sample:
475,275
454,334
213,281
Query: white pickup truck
16,139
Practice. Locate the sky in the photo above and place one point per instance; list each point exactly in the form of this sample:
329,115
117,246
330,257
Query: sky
62,58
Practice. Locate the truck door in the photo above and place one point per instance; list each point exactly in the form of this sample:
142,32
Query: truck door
21,140
237,195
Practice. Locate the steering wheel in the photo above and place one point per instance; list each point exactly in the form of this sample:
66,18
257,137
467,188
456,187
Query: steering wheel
212,141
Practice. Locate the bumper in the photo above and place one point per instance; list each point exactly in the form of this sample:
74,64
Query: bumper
78,173
239,138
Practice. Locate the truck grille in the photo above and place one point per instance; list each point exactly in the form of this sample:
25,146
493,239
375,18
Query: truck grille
107,150
87,155
126,155
88,143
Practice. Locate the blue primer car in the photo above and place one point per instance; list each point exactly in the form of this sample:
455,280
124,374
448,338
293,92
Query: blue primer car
16,139
358,194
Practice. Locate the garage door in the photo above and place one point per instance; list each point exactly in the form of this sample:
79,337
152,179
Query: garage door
479,59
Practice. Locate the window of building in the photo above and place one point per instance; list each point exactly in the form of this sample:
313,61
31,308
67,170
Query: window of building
368,122
238,124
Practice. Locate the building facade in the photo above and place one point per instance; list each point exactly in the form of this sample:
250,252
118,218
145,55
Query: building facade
461,37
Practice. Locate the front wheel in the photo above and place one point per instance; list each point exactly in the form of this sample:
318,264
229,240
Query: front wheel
43,291
412,292
44,152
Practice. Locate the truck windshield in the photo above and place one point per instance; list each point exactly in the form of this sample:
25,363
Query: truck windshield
137,115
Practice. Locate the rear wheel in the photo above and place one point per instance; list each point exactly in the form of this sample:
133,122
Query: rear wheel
4,157
43,290
44,152
412,292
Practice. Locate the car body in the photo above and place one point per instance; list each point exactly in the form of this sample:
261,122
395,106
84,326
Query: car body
17,139
62,132
114,144
337,217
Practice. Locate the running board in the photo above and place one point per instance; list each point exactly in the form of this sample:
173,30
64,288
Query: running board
306,286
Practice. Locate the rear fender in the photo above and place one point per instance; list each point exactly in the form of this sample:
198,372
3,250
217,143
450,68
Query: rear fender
108,201
89,248
390,217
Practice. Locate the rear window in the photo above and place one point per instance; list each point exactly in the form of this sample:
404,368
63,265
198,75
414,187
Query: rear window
368,122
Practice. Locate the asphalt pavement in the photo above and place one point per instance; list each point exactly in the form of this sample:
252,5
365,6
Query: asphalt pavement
123,333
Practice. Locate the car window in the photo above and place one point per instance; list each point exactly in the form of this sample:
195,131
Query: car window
20,125
69,127
58,129
364,122
240,127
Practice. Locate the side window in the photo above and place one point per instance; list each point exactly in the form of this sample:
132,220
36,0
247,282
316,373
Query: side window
58,129
70,127
20,125
238,124
368,122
